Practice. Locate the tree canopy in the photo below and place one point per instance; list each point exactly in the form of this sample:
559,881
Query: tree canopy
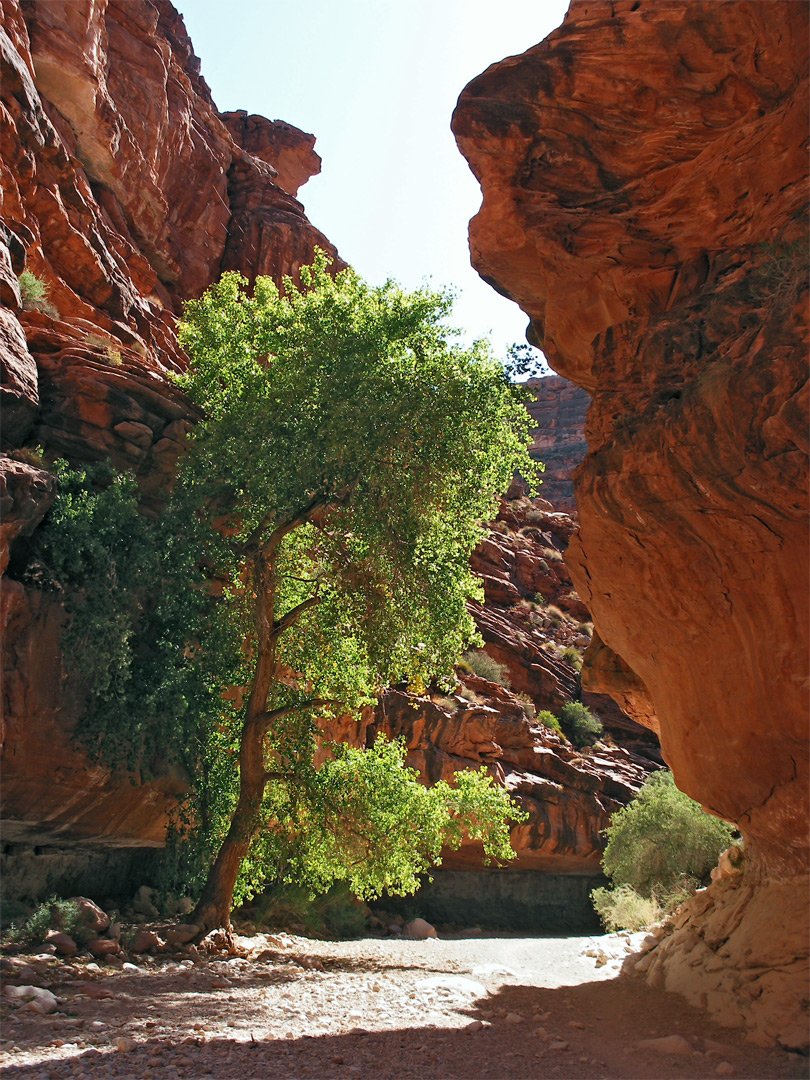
348,456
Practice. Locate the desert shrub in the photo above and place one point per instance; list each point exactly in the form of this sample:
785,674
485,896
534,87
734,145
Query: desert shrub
571,656
485,667
112,356
52,914
529,708
552,555
549,720
662,838
540,600
33,290
623,909
34,294
579,724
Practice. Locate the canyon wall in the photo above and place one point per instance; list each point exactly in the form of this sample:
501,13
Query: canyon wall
126,192
644,178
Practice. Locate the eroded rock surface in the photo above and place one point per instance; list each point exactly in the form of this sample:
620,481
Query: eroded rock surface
653,226
569,795
125,192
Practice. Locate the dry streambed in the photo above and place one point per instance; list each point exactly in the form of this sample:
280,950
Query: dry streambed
488,1007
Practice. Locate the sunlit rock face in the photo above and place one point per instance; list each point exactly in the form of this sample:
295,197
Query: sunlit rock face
644,177
126,192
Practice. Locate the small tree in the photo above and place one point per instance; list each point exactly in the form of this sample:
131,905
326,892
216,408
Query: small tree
662,837
660,847
348,455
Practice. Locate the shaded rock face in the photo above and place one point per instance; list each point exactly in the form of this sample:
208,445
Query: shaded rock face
653,226
126,192
558,408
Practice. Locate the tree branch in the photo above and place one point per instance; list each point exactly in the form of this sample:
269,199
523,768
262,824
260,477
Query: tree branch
266,719
300,517
292,617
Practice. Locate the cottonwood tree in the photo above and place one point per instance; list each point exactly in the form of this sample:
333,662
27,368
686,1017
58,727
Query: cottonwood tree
348,454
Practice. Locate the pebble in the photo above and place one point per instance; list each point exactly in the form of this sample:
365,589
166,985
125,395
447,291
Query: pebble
725,1068
513,1018
124,1045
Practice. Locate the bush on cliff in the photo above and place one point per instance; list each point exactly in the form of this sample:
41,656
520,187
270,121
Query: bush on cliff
661,846
579,724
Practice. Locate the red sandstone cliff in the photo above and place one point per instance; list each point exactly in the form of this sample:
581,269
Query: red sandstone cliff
644,174
126,192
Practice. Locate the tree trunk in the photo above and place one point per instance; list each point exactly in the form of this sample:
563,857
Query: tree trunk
213,910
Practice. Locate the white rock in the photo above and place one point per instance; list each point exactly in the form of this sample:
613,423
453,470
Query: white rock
456,984
37,998
668,1044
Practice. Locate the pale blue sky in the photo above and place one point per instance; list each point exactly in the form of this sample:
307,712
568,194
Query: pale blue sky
376,83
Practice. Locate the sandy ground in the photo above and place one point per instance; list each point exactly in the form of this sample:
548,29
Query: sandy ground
377,1009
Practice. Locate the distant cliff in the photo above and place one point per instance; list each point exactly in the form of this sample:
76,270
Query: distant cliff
558,409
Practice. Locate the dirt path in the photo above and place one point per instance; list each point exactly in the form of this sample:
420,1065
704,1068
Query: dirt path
377,1009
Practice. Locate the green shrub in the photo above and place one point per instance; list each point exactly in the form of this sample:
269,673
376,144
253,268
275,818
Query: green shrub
623,909
579,724
53,914
485,667
34,294
549,720
571,656
662,838
540,600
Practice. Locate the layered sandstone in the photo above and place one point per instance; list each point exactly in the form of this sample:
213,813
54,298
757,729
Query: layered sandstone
126,192
644,178
558,409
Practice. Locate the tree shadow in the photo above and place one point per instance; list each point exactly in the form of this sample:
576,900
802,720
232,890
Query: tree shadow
519,1032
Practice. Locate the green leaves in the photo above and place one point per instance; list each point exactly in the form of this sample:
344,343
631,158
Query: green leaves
662,837
352,395
315,549
364,818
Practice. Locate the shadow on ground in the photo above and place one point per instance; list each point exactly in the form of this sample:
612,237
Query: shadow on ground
591,1031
